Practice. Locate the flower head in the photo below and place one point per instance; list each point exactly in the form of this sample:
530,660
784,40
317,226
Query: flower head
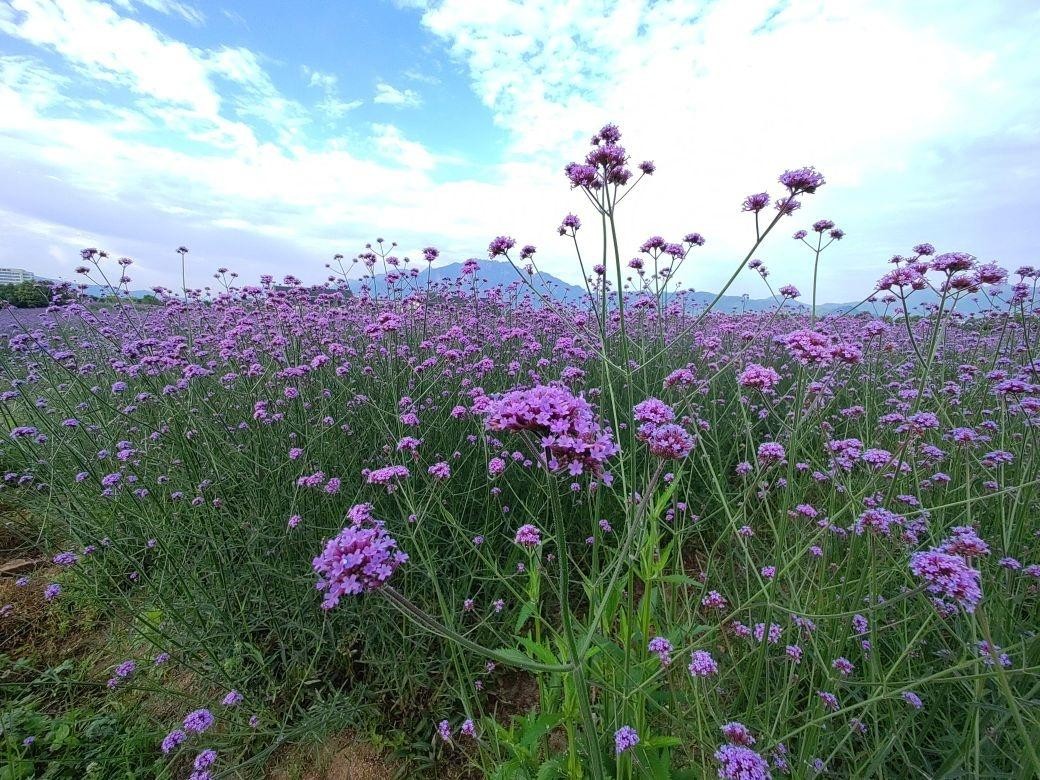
625,738
361,558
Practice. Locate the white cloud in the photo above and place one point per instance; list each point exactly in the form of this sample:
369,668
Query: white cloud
726,95
331,106
391,96
186,12
903,111
414,74
108,47
391,143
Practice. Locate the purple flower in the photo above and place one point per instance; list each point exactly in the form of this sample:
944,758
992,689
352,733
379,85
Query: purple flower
948,576
198,721
829,700
809,347
756,202
702,664
737,734
528,536
205,759
500,246
444,730
625,738
737,762
361,558
440,470
570,436
771,452
570,222
232,699
52,591
468,728
760,377
802,180
662,648
172,740
843,666
912,699
671,441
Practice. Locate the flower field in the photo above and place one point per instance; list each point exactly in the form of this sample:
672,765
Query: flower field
520,537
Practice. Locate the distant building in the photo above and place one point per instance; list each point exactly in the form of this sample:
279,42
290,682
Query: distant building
15,276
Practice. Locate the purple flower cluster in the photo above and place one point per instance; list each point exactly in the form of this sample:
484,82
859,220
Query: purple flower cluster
568,431
948,576
361,558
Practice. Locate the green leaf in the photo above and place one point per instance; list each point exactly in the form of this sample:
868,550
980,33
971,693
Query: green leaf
539,651
550,769
662,742
513,656
537,728
525,613
681,579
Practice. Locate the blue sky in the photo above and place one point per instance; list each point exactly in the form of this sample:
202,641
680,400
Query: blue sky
267,136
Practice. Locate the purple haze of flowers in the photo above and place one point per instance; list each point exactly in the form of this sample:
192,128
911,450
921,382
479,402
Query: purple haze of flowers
948,576
361,558
569,433
625,738
737,762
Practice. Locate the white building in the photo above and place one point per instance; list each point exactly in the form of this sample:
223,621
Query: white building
15,276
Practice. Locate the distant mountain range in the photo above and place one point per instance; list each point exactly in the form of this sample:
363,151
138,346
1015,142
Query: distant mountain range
495,273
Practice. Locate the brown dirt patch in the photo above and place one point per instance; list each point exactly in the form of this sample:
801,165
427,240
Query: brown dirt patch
338,758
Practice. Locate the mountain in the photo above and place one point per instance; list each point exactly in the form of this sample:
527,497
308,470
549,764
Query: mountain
493,273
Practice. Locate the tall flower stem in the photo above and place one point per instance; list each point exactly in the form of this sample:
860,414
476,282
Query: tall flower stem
577,661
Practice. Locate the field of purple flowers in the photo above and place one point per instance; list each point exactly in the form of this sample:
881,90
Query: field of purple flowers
743,545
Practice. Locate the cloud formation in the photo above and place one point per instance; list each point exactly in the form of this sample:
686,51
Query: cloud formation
117,133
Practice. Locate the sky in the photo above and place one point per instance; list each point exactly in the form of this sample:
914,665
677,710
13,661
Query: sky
267,136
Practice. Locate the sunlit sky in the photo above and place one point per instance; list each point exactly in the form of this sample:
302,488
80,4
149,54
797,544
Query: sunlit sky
268,135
